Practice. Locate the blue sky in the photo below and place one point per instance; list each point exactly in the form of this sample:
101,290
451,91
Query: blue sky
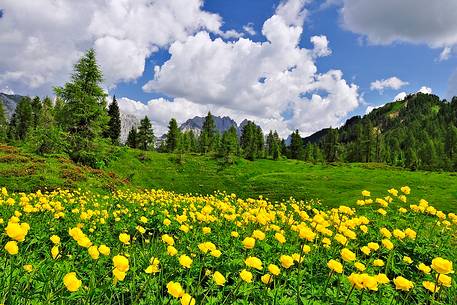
205,59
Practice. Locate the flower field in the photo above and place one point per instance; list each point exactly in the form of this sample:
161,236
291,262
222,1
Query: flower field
158,247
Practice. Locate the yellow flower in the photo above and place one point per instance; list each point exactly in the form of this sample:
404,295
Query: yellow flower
121,262
55,239
172,251
306,249
17,231
11,247
175,289
154,268
105,250
347,255
257,234
28,268
356,280
407,259
442,265
266,278
334,265
274,269
249,243
387,244
366,250
55,252
370,282
185,261
424,268
141,229
246,276
167,222
118,274
286,261
206,230
403,284
124,238
72,282
406,190
378,263
93,252
216,253
253,262
280,238
366,193
218,278
373,246
234,234
359,266
445,280
186,299
385,232
382,278
168,239
430,286
143,219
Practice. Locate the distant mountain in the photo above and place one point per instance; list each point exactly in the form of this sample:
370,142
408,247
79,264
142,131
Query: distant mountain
9,102
222,124
127,122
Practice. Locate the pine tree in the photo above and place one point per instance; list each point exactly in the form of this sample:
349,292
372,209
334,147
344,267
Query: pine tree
309,152
296,146
249,141
145,135
208,134
114,124
173,136
3,124
229,145
36,110
85,107
24,118
132,138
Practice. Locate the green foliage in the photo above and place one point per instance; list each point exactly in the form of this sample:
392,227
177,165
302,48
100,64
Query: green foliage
114,124
132,141
145,135
296,146
208,135
3,124
173,137
229,146
23,120
252,141
83,115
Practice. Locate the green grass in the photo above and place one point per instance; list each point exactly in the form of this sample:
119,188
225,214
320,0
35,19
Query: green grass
333,184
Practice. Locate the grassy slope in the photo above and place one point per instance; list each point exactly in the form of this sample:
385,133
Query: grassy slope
333,184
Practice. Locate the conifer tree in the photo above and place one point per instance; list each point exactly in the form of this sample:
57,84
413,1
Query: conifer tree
208,134
114,123
3,124
23,118
173,136
132,138
229,144
145,135
36,111
85,107
296,146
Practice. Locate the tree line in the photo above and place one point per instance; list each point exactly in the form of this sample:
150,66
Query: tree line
419,132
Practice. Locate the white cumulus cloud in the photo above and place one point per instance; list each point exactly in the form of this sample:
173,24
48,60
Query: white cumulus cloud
276,82
40,40
389,83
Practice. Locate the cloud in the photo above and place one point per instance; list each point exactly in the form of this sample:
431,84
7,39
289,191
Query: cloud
389,83
7,90
424,89
321,48
275,82
445,54
249,28
37,50
400,96
413,21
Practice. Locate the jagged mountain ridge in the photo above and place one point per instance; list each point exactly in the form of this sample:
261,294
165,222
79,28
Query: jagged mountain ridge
9,102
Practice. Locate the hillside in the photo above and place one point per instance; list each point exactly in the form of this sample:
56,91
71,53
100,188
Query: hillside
418,132
332,184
